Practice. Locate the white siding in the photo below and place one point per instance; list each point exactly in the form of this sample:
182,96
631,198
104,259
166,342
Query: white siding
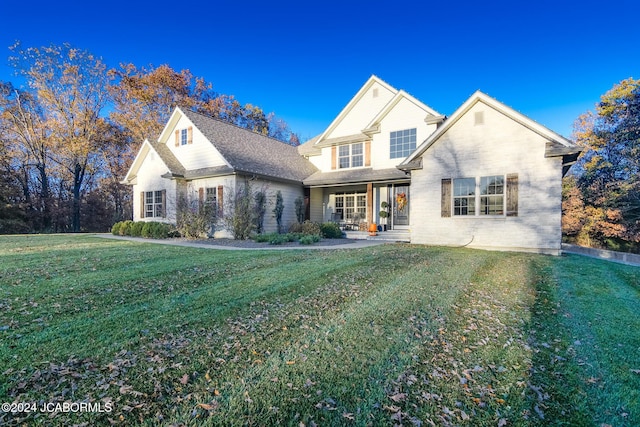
200,154
498,147
405,115
363,111
149,179
317,205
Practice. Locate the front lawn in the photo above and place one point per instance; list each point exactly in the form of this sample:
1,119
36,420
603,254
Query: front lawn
395,334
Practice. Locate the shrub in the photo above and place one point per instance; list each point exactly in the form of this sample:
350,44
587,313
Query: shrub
311,228
295,227
195,218
115,229
262,238
136,229
156,230
278,210
308,239
125,228
278,239
299,204
330,230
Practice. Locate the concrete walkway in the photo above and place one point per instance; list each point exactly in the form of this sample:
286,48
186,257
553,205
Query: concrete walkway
619,257
194,244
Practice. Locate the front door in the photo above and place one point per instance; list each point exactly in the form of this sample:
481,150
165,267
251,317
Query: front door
400,205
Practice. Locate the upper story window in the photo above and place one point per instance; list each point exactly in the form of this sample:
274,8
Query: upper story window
184,136
351,156
402,143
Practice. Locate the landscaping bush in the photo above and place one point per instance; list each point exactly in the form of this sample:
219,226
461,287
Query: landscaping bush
311,228
278,239
136,229
125,228
308,239
330,230
156,230
115,229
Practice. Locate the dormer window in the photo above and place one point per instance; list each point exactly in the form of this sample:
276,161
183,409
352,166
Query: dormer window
183,137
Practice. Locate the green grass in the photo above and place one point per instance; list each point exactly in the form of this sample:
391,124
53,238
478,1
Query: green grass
394,334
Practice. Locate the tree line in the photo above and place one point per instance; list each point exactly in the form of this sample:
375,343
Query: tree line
69,134
601,196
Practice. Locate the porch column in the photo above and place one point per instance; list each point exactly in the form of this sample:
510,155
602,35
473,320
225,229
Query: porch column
370,203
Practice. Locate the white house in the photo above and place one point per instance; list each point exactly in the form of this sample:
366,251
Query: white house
205,159
485,177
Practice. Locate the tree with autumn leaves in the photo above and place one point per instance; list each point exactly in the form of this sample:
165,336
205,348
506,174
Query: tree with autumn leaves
70,135
601,197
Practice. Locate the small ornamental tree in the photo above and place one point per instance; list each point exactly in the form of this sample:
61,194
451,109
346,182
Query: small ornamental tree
195,218
300,209
278,210
240,217
260,208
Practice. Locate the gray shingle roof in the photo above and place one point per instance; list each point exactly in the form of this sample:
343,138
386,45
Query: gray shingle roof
251,153
175,167
354,175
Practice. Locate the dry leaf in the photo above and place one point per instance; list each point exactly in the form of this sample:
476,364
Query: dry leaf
398,397
348,416
184,379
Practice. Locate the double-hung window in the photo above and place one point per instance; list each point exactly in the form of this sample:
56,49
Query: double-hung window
154,204
351,156
183,137
492,195
464,196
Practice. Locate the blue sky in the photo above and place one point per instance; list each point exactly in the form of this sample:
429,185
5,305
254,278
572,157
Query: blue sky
550,60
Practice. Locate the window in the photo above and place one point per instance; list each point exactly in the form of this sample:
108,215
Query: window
350,156
351,207
402,143
183,137
492,195
464,196
154,204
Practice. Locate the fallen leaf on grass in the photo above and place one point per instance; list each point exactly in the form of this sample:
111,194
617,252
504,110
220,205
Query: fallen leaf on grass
636,371
398,397
208,406
184,379
348,416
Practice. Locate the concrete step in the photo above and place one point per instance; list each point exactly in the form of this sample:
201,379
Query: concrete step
388,236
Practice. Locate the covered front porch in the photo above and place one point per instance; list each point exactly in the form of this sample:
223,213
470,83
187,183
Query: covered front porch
355,207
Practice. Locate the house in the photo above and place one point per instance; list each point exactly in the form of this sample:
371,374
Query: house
489,177
486,177
204,159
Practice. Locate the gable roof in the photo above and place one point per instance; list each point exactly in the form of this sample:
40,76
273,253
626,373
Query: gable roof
171,162
374,124
557,145
249,152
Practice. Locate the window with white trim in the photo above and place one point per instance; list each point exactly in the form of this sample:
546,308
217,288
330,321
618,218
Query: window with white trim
351,156
350,206
402,143
183,137
464,196
492,195
484,196
153,204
